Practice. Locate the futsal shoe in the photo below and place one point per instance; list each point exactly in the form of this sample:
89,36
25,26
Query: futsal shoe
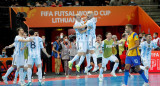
95,69
5,80
113,74
70,65
40,83
100,78
120,71
146,84
124,85
78,68
78,76
29,84
14,81
89,73
87,69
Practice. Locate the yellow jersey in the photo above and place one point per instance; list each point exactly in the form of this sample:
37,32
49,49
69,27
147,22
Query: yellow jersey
131,43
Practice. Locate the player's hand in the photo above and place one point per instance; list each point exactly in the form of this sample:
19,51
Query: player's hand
6,47
48,56
21,49
147,68
58,57
31,40
100,51
127,52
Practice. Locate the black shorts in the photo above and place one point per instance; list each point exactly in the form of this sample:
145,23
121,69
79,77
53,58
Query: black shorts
99,60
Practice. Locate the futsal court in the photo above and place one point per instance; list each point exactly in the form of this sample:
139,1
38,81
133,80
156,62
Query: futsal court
92,80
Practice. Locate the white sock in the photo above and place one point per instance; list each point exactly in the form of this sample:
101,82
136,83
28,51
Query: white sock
146,73
95,59
142,67
24,75
9,71
101,71
115,67
29,73
40,74
20,74
16,75
88,57
81,60
75,58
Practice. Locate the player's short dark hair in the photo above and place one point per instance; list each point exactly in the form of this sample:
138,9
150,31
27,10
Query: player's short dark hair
130,26
124,35
147,35
25,33
57,37
156,33
100,36
18,29
64,36
31,32
107,33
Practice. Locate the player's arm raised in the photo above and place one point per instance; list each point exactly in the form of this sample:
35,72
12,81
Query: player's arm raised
10,46
29,40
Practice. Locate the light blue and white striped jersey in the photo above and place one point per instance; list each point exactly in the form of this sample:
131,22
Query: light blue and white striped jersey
79,36
34,47
18,45
146,49
92,23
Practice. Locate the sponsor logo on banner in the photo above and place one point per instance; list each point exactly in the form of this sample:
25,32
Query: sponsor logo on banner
155,62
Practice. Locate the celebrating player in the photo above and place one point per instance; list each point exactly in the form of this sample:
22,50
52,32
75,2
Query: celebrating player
107,48
133,55
80,42
91,36
34,48
146,48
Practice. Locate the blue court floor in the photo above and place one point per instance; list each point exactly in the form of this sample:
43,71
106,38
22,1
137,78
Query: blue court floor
108,81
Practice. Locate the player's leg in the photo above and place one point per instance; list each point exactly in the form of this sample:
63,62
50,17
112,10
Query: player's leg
136,62
94,56
141,72
80,61
20,69
38,62
25,70
15,77
128,63
104,63
29,70
7,73
70,63
113,58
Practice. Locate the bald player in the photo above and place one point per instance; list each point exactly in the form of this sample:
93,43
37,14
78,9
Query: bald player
91,36
80,42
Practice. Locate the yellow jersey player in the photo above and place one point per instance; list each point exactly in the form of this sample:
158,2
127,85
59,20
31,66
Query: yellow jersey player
133,55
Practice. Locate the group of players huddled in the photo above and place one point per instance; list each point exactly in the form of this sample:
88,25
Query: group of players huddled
26,53
85,29
86,44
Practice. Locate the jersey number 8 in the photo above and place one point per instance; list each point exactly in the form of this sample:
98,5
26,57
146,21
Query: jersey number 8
33,45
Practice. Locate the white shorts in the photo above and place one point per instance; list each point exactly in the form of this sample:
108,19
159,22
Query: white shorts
82,46
19,60
13,61
112,58
26,63
37,61
91,43
146,62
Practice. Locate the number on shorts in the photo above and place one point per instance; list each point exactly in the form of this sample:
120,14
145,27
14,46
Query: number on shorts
33,45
